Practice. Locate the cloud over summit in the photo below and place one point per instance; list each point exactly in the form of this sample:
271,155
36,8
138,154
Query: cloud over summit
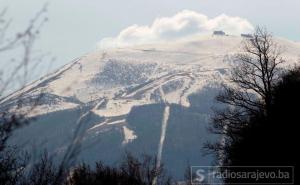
183,24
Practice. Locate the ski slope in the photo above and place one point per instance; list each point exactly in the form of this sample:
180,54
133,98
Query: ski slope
120,95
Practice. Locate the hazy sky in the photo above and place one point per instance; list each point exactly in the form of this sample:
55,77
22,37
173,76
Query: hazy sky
76,26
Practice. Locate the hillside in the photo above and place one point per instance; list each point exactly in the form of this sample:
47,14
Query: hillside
152,99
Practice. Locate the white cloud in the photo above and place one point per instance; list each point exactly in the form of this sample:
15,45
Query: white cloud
183,24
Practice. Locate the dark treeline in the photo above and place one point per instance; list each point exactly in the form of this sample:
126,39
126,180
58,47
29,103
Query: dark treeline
271,140
15,170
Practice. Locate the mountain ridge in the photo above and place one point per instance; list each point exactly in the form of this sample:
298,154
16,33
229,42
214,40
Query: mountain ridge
119,97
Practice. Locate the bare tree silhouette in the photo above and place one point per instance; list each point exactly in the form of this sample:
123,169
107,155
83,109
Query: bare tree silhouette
259,109
14,73
256,69
131,172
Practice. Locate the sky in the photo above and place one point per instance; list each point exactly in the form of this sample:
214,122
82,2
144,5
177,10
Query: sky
76,27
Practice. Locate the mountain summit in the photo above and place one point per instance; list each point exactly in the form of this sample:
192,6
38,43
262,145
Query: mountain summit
150,99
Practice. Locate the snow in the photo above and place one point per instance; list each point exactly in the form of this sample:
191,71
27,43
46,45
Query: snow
129,135
133,76
163,134
109,84
107,122
118,107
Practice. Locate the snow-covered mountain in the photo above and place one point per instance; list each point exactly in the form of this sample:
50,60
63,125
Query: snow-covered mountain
152,99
